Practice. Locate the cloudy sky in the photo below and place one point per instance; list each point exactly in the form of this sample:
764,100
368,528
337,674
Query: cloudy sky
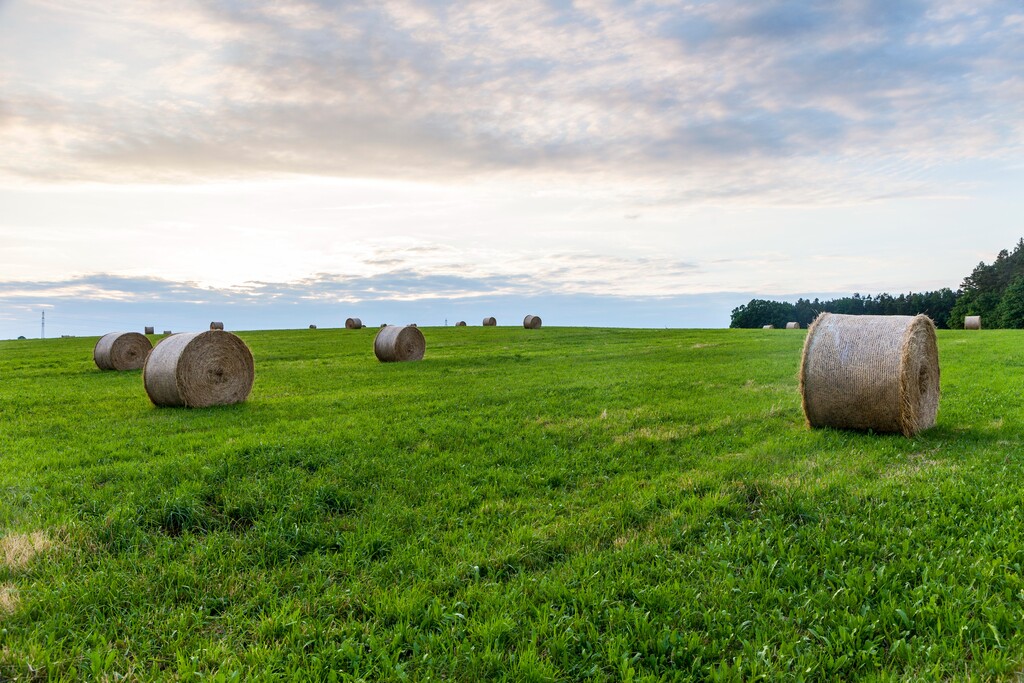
599,162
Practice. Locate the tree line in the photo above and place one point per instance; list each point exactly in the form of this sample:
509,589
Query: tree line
994,291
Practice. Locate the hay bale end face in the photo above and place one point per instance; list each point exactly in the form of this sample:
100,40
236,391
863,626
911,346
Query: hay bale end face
490,322
395,343
768,327
198,370
792,326
216,326
461,323
353,324
877,372
149,330
121,351
972,322
532,322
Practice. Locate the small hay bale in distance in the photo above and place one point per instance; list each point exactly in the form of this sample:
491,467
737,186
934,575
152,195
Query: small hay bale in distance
198,370
312,327
353,324
532,322
792,326
149,330
972,322
121,351
768,327
490,322
383,324
395,343
877,372
216,325
461,323
168,332
413,325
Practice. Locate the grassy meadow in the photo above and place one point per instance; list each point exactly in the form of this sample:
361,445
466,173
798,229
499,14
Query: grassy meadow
550,505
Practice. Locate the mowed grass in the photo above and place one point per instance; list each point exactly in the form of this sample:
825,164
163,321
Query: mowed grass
550,505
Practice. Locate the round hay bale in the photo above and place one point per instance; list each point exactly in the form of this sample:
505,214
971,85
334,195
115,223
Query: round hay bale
149,330
312,327
413,325
532,322
792,326
383,324
216,326
121,351
353,324
168,332
768,327
397,343
490,322
461,323
878,372
972,322
199,369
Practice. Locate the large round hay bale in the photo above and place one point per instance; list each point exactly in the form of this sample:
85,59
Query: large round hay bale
216,326
972,322
149,330
461,323
792,326
397,343
121,351
199,369
532,322
353,324
490,322
768,327
878,372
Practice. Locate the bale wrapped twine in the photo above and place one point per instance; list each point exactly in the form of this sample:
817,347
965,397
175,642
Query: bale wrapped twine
397,343
972,322
532,322
353,324
461,323
149,330
490,322
216,326
199,369
121,351
768,327
878,372
792,326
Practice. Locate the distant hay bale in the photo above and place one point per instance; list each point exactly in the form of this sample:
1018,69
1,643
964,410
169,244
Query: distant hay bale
792,326
532,322
878,372
312,327
149,330
383,324
121,351
461,323
768,327
168,332
413,325
972,322
490,322
353,324
199,369
397,343
216,326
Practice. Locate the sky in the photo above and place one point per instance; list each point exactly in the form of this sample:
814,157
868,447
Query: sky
656,163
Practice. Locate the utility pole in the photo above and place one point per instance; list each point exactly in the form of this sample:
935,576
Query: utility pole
42,334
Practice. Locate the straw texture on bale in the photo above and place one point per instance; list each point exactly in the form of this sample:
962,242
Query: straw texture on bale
461,323
792,326
397,343
216,326
490,322
149,330
121,351
199,369
878,372
768,327
532,322
353,324
972,322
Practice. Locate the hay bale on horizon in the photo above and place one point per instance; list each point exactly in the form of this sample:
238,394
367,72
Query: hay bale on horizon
199,369
121,351
149,330
383,324
395,343
413,325
877,372
312,327
490,322
792,326
972,322
768,327
461,323
353,324
217,326
532,322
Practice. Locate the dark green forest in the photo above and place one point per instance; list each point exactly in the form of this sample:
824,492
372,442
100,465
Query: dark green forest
994,291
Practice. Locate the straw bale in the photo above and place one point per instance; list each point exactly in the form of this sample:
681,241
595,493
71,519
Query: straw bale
312,327
353,324
490,322
397,343
216,326
168,332
121,351
972,322
532,322
872,372
792,326
149,330
768,327
413,325
461,323
199,369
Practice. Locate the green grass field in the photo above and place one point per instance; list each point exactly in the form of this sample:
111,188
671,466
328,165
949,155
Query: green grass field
551,505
